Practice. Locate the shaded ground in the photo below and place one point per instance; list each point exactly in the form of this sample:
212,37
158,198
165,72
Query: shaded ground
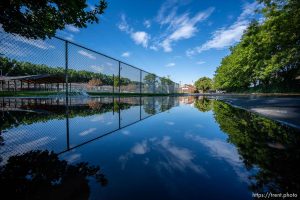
285,109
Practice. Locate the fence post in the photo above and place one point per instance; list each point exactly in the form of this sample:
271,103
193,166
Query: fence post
113,84
67,95
119,83
140,81
66,70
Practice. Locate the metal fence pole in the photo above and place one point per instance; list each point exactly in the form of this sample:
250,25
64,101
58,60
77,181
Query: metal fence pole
66,69
113,84
119,83
140,81
67,95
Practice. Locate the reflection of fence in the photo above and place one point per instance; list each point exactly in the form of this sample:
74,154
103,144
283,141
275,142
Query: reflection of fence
52,123
57,64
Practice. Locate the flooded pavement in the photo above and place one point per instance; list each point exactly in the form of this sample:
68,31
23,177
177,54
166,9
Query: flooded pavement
143,148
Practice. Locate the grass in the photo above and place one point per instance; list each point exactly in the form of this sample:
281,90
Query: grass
27,93
47,93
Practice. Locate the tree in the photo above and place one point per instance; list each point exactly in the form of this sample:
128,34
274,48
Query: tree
203,84
268,55
40,19
150,81
94,82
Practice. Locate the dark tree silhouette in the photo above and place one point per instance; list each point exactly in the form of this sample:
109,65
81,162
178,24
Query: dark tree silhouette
42,175
41,19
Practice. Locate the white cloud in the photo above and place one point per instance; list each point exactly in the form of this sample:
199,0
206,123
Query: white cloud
72,28
86,54
92,7
154,48
41,44
147,23
200,62
140,37
126,54
98,69
123,25
181,27
70,37
170,65
227,36
109,63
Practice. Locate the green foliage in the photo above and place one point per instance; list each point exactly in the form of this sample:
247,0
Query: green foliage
16,68
268,54
203,84
41,19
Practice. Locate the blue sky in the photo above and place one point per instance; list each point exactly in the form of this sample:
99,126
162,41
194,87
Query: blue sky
185,39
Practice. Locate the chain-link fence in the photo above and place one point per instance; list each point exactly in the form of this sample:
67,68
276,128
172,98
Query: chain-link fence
58,65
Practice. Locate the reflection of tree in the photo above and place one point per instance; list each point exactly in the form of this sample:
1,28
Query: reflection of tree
149,105
263,144
41,175
166,103
16,118
203,104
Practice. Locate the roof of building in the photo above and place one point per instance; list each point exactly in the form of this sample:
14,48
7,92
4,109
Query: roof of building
41,78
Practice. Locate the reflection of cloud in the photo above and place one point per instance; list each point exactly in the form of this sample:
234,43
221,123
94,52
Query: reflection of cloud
140,148
177,157
172,157
16,146
199,125
72,158
86,132
225,151
125,132
170,123
219,149
37,143
97,118
109,123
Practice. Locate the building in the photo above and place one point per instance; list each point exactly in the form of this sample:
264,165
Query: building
187,88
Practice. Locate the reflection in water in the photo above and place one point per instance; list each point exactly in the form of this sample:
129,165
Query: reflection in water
208,144
203,104
269,148
42,175
37,123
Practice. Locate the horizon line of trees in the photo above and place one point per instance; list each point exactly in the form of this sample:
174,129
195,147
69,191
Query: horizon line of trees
19,68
